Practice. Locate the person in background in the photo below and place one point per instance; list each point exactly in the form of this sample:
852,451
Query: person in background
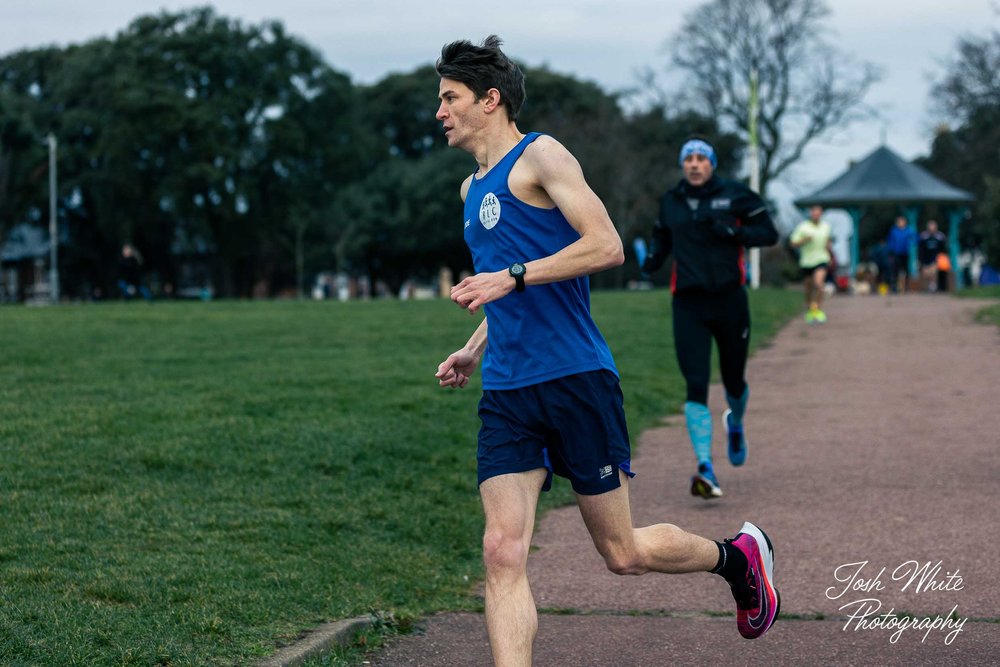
900,238
706,222
879,256
130,274
813,238
932,242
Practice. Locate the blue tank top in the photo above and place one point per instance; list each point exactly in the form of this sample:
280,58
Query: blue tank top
546,331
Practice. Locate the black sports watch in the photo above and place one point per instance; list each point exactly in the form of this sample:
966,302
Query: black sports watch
517,270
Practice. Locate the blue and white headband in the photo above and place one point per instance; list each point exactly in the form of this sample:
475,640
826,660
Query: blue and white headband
701,148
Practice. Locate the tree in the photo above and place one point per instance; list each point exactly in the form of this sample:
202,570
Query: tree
19,145
266,137
187,134
400,111
972,84
404,219
964,151
26,112
396,219
806,87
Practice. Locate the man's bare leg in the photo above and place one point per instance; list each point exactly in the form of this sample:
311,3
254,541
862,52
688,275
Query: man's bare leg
661,547
509,502
819,282
667,548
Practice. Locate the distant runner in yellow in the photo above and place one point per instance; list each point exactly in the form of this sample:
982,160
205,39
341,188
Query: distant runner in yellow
813,239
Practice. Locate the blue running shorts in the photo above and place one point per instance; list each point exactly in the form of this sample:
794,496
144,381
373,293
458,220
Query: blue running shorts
574,426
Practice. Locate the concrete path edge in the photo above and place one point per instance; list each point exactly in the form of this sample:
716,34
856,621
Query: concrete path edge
318,642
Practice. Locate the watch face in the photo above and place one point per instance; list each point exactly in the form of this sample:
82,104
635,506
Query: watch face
517,269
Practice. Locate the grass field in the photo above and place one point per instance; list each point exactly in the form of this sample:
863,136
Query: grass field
197,483
990,314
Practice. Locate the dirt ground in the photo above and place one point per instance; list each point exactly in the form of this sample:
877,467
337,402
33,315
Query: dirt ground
873,467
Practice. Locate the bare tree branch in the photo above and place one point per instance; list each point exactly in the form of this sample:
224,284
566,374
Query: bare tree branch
973,79
806,87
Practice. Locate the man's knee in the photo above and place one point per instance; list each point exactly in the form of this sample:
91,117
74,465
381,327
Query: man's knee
623,562
503,552
621,554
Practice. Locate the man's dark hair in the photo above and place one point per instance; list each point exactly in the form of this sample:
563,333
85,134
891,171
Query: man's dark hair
484,67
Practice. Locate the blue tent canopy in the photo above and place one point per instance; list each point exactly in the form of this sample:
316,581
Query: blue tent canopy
884,177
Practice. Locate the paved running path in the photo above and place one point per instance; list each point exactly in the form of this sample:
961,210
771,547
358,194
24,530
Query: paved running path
872,438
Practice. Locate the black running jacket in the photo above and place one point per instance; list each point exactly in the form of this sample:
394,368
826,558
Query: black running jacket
706,228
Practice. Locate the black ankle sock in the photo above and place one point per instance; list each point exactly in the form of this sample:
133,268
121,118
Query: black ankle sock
732,565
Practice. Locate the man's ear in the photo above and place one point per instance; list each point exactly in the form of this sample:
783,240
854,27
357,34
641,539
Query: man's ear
491,100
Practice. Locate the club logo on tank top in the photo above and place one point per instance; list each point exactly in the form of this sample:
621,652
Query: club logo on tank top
489,211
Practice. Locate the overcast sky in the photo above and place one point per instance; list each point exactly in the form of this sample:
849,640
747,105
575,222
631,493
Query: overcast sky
607,42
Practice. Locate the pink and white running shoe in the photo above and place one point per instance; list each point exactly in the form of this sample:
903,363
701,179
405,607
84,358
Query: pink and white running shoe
757,600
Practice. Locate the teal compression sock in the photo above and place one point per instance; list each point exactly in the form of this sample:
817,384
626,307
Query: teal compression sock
738,406
699,425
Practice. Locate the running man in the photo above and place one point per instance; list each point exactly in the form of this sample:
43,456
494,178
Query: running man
814,239
551,400
706,222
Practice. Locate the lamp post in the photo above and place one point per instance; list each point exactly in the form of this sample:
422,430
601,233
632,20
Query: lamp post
754,171
53,226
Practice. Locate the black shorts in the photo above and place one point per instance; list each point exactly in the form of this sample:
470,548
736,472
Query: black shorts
808,271
573,426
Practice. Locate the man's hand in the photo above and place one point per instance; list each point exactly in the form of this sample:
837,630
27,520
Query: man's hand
456,369
482,288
